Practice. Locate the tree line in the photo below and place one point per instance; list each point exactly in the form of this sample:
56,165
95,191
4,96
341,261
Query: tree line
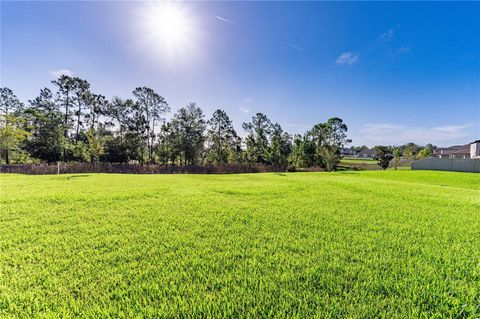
70,123
410,152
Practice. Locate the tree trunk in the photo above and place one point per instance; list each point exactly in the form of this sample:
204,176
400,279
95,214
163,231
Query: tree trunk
65,131
152,141
7,159
78,122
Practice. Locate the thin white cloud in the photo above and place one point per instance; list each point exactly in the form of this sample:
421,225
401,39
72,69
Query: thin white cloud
403,50
396,134
57,73
244,106
347,58
225,20
288,44
293,46
387,35
452,128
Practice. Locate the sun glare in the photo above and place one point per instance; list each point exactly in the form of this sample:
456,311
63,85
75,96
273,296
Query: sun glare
168,29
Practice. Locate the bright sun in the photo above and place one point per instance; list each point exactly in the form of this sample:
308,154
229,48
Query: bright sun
168,28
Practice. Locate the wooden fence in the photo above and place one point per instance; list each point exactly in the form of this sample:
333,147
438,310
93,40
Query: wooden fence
72,168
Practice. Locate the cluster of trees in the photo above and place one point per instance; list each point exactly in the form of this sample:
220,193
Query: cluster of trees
410,151
71,123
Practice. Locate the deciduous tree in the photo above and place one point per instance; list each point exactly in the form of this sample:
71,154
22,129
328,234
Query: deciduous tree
383,156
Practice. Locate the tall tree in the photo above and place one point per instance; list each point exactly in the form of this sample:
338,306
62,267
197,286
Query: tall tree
303,151
11,136
329,138
397,156
96,105
221,138
257,140
81,94
165,149
65,91
154,108
137,134
119,113
383,156
9,103
336,132
45,124
11,133
280,146
335,140
123,145
188,128
236,154
95,144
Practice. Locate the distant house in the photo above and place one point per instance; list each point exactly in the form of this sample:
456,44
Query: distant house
368,153
347,152
471,150
458,158
475,149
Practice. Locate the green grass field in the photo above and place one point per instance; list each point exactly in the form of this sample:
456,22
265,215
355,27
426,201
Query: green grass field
348,244
350,160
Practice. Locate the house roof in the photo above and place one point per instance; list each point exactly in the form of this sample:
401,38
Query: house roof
453,150
369,151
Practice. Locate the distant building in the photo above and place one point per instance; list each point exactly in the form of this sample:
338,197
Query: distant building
458,158
471,150
475,149
347,152
368,153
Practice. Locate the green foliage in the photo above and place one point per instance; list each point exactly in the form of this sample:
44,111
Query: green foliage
257,140
397,156
303,152
328,139
11,135
188,127
75,124
96,145
384,244
426,152
45,124
152,107
410,151
383,156
221,138
280,146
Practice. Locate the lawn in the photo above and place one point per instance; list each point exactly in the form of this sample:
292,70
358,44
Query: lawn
348,244
370,164
350,160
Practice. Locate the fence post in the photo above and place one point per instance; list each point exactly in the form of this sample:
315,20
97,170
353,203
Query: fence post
58,168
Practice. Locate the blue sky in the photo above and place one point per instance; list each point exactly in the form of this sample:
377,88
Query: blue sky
395,72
